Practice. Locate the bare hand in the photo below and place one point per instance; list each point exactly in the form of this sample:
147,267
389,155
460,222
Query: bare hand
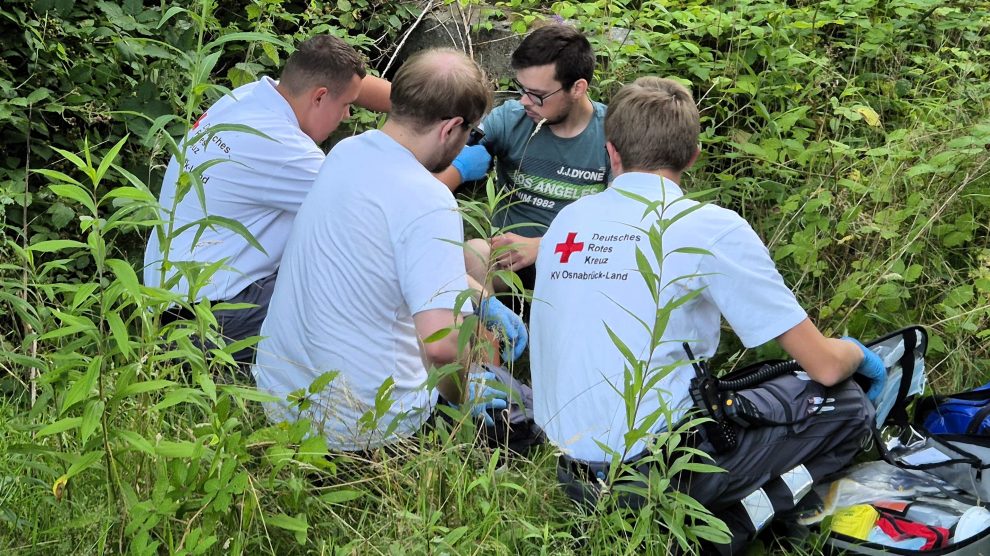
513,251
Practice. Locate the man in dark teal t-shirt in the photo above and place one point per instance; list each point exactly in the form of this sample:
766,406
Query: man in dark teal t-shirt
549,148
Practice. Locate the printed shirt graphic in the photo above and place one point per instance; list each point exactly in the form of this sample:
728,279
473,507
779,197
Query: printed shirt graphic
554,171
587,283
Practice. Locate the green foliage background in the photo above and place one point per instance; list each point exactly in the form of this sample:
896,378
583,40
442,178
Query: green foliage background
854,136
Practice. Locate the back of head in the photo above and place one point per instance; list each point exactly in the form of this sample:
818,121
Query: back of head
561,45
437,84
322,61
654,125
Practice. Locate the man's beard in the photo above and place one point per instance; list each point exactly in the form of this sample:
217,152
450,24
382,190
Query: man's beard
445,162
560,117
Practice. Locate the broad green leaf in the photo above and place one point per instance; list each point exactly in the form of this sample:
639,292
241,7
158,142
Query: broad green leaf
38,95
250,394
120,335
53,245
248,37
869,115
136,441
451,538
282,521
125,192
55,175
341,496
108,159
623,348
82,387
438,335
91,419
322,381
84,462
61,425
181,395
182,449
144,387
169,14
74,159
126,275
692,251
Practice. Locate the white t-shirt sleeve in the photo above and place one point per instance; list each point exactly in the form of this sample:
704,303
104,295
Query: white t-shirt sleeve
287,185
429,260
743,282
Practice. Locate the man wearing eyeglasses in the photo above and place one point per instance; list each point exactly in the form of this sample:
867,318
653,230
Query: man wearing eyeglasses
549,147
373,271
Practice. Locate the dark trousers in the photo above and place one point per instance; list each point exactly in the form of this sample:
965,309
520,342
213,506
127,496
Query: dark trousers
823,440
238,324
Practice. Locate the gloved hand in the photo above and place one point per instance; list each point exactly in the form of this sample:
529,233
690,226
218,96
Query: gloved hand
514,336
872,368
482,397
472,162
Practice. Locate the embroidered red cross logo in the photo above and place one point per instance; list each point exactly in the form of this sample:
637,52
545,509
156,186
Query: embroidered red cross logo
196,123
570,246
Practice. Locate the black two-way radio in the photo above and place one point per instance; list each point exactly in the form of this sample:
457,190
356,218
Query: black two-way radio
705,392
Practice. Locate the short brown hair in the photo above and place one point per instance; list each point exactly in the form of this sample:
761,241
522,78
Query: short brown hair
561,45
437,84
653,124
322,61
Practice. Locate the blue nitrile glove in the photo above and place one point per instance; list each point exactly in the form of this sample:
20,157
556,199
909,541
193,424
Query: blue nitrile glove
472,162
872,368
482,397
514,337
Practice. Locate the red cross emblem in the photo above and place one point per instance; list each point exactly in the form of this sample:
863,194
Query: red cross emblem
196,123
570,246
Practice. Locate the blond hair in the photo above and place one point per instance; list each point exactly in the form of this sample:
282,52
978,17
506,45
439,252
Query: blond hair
438,84
653,123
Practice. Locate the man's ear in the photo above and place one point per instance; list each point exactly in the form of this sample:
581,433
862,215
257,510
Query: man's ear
697,152
614,159
579,88
318,96
448,127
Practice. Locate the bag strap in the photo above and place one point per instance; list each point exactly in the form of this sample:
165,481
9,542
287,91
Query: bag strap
898,414
977,422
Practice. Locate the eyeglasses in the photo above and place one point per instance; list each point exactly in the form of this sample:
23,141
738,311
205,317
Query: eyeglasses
536,98
476,133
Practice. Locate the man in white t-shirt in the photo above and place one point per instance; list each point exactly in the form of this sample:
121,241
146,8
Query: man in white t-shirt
589,285
255,179
374,267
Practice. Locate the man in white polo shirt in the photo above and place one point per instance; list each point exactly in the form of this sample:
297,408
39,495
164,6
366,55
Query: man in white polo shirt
253,180
588,287
374,267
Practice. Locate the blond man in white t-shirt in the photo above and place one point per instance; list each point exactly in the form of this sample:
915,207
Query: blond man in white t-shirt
589,287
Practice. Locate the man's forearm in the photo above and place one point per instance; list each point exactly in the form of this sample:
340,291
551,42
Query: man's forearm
374,94
449,177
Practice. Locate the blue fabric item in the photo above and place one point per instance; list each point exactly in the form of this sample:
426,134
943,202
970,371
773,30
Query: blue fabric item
472,162
496,315
957,416
872,368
